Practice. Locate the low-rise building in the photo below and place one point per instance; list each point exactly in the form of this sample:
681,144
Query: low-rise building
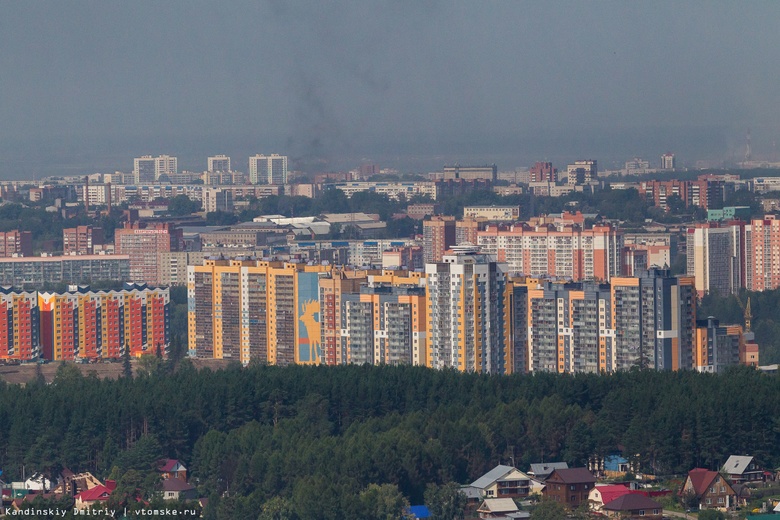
569,487
493,213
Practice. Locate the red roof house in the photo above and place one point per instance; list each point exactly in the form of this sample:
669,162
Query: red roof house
91,497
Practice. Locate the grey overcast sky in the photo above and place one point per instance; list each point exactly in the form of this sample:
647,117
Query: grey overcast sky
90,84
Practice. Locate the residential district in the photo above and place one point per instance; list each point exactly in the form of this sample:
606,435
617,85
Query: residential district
483,290
607,488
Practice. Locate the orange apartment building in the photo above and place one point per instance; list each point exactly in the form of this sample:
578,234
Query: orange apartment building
562,251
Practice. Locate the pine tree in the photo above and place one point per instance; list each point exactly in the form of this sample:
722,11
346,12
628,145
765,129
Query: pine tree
127,367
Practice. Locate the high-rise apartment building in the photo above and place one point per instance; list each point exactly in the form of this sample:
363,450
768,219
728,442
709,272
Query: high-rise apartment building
68,269
466,321
471,173
716,257
717,347
333,287
219,163
218,199
149,169
268,169
569,328
85,324
702,193
668,162
385,322
564,251
143,242
247,310
582,172
762,252
438,236
543,172
81,240
15,243
643,321
653,317
467,231
19,325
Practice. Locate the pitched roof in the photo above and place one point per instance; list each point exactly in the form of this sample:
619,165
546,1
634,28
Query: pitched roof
545,468
174,484
700,479
491,476
611,492
498,505
471,491
168,465
632,502
575,475
99,492
737,464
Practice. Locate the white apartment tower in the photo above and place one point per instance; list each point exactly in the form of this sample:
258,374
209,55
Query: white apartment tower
667,161
465,299
268,169
149,169
582,172
219,163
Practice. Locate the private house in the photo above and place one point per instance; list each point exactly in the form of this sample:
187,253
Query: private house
94,497
500,508
570,487
172,468
601,495
633,506
540,471
741,469
611,466
503,482
176,489
710,489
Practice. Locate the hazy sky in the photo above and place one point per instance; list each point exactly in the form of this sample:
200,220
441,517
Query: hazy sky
90,84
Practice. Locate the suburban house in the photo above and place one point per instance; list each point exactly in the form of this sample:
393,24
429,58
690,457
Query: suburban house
500,508
542,470
570,487
710,488
172,468
633,506
605,494
741,469
93,498
175,489
503,482
611,466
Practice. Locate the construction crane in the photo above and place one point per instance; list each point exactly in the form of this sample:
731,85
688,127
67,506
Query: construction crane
747,314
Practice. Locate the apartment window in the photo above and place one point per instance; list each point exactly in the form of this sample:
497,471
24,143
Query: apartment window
641,512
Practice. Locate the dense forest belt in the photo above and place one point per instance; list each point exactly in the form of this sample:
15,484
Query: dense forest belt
264,432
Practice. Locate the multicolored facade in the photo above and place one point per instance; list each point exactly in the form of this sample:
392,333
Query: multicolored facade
84,324
19,325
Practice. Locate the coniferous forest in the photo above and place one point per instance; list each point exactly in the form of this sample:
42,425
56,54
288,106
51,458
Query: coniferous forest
329,442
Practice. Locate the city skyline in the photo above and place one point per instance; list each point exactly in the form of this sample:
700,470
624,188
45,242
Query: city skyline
403,84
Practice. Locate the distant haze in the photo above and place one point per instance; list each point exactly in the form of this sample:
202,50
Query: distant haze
85,86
